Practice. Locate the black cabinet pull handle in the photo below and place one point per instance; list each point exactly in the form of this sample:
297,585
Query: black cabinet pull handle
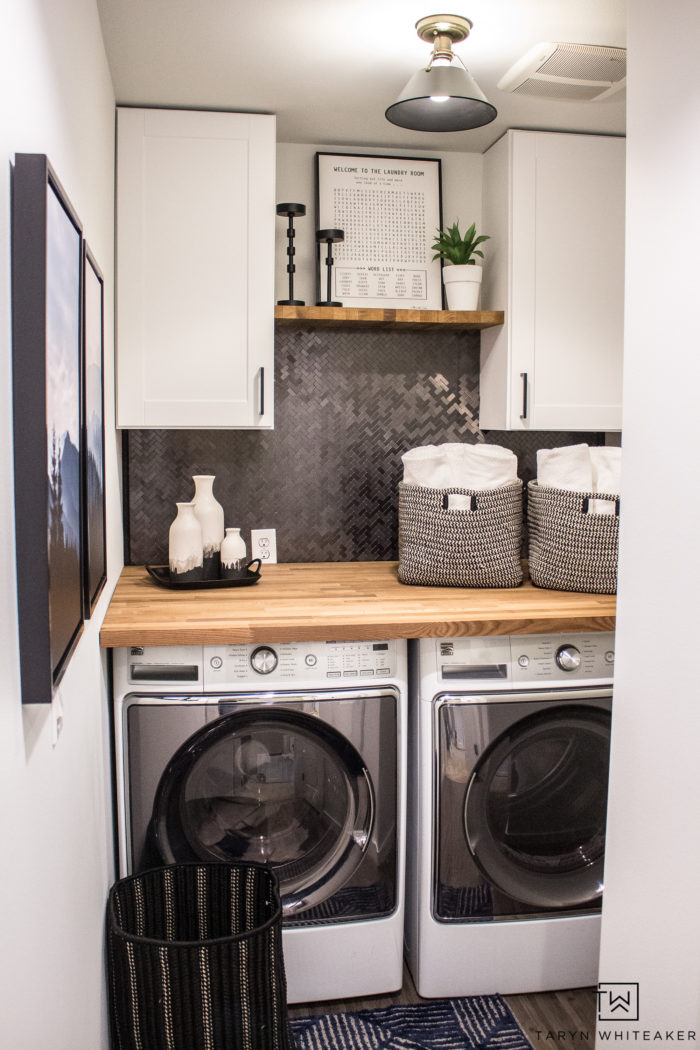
262,391
523,376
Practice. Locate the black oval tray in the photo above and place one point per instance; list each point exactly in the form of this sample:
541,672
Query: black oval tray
161,575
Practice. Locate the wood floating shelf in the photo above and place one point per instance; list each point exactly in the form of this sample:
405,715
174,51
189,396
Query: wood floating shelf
364,317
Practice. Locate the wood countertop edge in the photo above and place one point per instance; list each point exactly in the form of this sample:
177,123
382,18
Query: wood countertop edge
344,602
329,631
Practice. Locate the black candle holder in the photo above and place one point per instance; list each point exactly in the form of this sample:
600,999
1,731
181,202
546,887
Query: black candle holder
291,211
329,237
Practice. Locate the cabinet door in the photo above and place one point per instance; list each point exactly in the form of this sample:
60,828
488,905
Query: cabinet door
195,269
559,359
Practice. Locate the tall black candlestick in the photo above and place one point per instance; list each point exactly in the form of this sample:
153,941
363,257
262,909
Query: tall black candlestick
329,237
291,211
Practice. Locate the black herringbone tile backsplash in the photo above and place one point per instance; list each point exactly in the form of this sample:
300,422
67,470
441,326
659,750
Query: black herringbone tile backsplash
348,405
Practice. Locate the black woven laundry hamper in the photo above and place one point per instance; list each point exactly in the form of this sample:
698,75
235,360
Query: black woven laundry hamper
195,960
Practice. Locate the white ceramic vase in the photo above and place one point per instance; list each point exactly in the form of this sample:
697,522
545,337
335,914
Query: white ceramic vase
233,555
185,548
210,515
462,285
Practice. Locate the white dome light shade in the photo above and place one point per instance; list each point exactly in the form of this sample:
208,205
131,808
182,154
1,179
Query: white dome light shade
442,98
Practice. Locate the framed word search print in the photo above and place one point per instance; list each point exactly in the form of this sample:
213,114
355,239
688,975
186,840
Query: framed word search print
389,209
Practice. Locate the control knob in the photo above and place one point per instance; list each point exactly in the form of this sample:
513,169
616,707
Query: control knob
568,658
263,660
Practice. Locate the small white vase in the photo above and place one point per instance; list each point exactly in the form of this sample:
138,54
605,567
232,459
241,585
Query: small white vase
185,550
462,285
233,555
210,515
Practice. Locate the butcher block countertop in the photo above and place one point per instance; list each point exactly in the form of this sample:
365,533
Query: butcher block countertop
344,601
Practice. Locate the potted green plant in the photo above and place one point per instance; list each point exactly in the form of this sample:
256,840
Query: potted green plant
462,278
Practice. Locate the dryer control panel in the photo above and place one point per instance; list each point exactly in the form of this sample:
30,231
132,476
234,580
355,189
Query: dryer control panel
508,662
543,657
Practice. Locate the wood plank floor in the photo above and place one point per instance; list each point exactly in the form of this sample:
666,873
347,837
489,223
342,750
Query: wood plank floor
570,1013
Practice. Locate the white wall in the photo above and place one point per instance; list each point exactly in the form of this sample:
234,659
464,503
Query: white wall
651,914
55,818
461,200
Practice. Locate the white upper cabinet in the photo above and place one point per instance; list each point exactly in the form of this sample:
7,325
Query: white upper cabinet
554,208
195,268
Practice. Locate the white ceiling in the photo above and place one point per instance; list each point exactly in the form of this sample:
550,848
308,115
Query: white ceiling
329,68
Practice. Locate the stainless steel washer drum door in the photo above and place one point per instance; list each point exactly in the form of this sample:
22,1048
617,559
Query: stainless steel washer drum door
535,807
278,787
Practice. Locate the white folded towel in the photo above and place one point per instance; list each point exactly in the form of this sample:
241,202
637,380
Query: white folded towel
607,465
582,469
606,462
426,466
481,466
568,467
460,465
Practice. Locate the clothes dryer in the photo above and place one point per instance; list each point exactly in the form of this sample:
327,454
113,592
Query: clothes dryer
291,755
508,778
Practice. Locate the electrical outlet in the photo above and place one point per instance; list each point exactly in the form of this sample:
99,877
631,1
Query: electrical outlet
264,544
56,717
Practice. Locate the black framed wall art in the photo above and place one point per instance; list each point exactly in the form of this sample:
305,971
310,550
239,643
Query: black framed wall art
389,209
94,548
47,257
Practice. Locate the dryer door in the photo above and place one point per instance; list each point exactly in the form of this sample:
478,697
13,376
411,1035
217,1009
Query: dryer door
277,786
521,810
535,807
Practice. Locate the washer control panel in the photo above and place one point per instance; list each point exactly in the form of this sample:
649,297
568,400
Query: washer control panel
314,662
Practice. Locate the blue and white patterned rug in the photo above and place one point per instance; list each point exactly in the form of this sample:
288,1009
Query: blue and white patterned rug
481,1022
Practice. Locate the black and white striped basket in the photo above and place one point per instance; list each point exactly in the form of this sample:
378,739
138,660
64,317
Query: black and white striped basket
475,547
195,960
571,549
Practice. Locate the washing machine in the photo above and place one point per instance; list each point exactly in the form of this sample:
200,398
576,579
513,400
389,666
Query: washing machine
508,780
293,755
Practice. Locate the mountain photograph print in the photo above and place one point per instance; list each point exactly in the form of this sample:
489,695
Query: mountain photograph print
63,252
47,248
95,573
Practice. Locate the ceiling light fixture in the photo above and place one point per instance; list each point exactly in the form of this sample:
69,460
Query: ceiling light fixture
442,97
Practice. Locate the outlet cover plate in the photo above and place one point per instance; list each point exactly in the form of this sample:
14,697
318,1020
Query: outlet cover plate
263,544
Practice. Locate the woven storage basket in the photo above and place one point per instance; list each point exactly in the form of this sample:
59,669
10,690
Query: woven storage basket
195,960
479,547
570,549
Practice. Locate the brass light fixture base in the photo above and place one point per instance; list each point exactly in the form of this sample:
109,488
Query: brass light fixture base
455,27
442,31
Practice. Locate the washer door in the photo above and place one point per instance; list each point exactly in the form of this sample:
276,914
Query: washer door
535,807
269,785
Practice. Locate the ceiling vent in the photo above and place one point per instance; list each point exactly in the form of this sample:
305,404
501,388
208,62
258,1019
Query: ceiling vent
570,72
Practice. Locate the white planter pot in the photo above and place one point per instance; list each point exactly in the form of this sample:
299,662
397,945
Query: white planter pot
462,284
